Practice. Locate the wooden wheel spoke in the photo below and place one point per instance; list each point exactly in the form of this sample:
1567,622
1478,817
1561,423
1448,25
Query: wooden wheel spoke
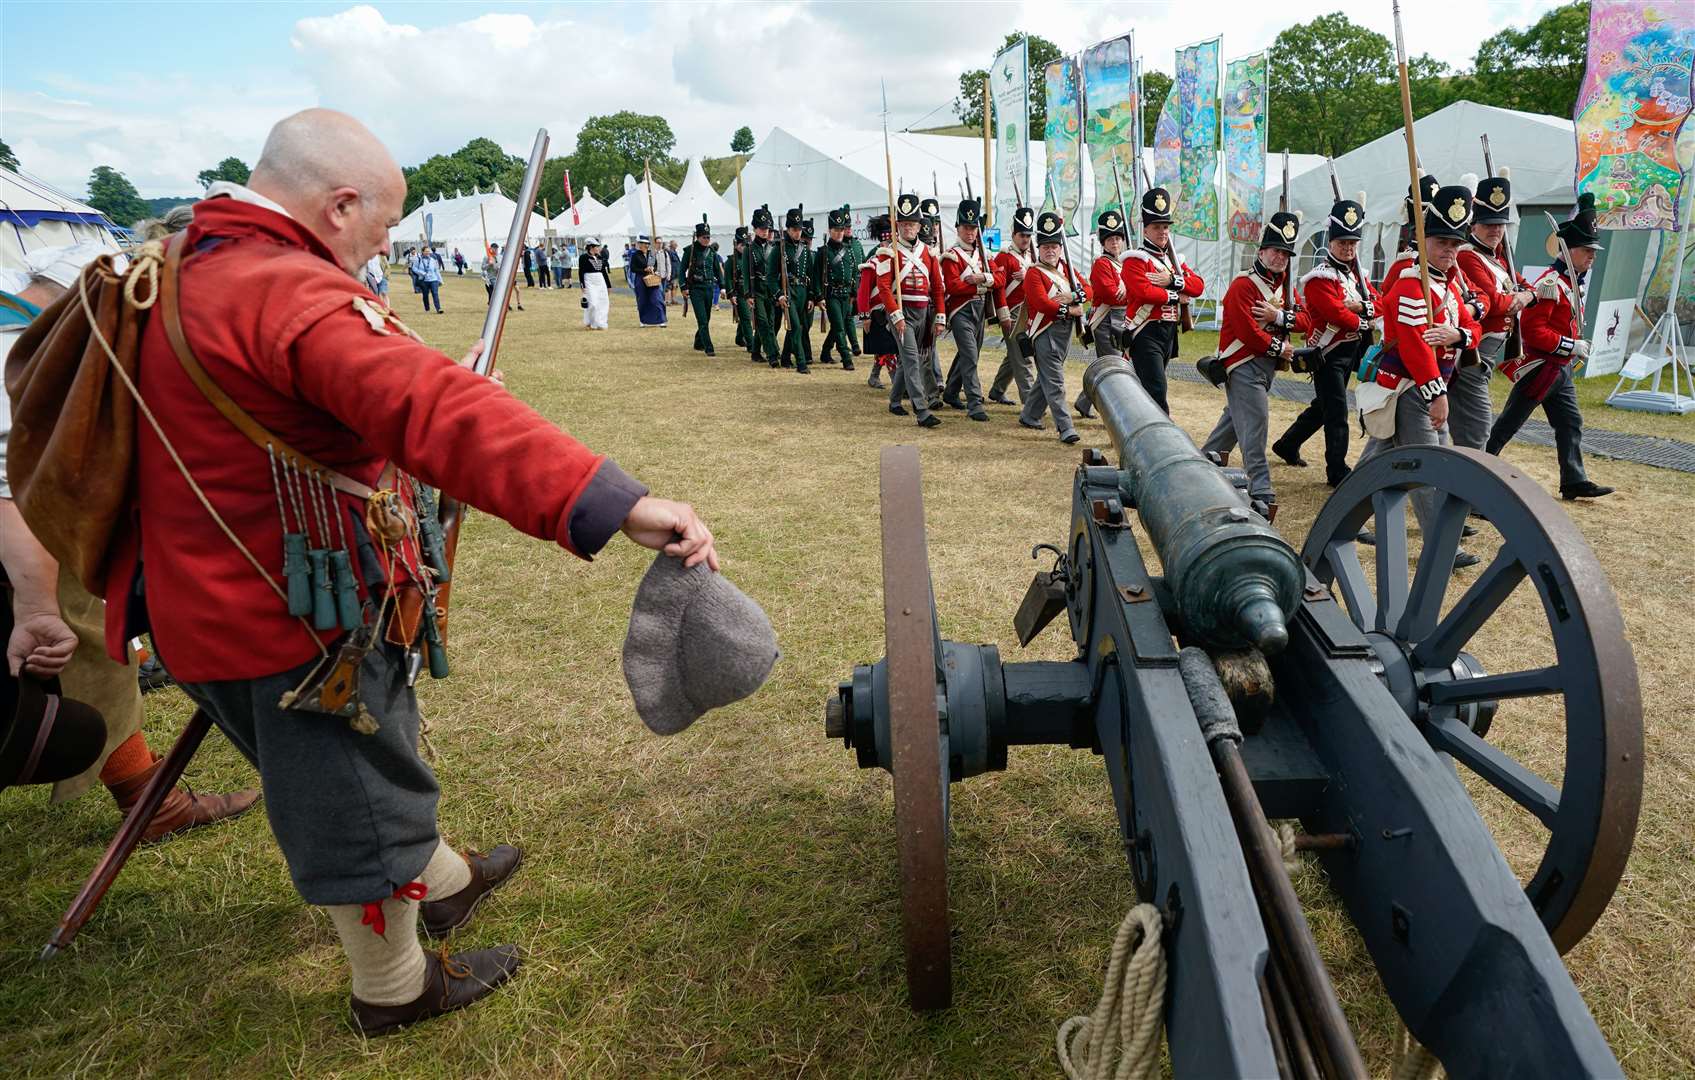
1495,767
1515,684
1470,612
1389,507
1435,569
1343,559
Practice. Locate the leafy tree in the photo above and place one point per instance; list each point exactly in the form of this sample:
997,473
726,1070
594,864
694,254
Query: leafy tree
969,105
610,146
477,164
8,159
111,193
1537,69
232,169
1156,87
1334,86
742,141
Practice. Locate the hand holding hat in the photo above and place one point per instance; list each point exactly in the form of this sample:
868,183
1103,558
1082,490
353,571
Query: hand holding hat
672,528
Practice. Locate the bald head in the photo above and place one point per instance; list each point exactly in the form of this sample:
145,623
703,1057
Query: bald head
332,175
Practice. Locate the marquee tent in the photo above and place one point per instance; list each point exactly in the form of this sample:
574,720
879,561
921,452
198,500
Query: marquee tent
625,216
1542,151
679,216
34,214
460,222
587,207
831,167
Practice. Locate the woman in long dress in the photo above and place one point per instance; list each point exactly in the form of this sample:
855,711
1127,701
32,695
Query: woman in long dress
645,267
591,271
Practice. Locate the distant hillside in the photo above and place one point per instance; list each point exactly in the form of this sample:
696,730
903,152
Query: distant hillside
155,207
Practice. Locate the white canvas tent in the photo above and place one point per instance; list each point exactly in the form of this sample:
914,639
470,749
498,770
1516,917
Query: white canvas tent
827,168
34,214
1542,151
625,216
587,207
679,216
459,222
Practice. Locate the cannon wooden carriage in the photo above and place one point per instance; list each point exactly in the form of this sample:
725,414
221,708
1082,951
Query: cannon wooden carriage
1249,681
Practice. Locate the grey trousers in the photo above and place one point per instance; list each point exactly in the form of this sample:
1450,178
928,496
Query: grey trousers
1560,407
910,379
967,327
1470,412
1015,368
1245,422
1412,428
1048,391
354,815
1109,341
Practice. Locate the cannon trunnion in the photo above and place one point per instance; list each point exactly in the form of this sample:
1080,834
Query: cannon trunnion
1356,702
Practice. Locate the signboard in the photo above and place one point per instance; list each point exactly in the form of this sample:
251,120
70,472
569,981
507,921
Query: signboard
1608,347
1009,88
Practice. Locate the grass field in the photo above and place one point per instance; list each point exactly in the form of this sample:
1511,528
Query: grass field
725,902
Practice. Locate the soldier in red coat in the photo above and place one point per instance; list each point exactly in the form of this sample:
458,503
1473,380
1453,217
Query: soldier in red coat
909,290
1253,345
1107,317
273,311
1012,263
1158,285
1553,340
1498,294
1054,295
971,290
1342,308
874,323
1422,339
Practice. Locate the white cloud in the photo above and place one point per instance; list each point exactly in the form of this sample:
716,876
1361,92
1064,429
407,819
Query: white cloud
708,67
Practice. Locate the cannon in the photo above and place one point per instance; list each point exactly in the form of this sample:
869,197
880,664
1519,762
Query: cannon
1247,682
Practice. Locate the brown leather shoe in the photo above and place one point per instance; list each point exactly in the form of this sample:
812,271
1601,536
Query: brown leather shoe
181,810
488,872
450,982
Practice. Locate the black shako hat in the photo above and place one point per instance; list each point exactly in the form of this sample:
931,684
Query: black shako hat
906,207
1112,223
762,218
1050,228
1347,220
793,219
703,229
1024,220
1280,231
970,212
1492,203
806,229
741,234
1448,214
1156,207
840,219
1427,186
878,227
1581,231
932,210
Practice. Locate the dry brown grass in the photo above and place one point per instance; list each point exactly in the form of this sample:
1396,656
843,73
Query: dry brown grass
724,903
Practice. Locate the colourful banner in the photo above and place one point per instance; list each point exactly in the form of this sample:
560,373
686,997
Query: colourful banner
1168,143
1244,107
1634,100
1660,274
1064,141
1196,87
1009,89
1109,97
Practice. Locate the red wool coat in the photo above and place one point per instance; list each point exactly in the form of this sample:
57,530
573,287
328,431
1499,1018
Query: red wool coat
274,322
1550,334
1011,266
1406,353
1488,278
1241,337
1149,303
959,261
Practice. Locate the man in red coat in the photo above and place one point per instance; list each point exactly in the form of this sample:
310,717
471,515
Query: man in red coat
1157,285
1498,295
1054,295
1012,263
1341,306
971,291
874,323
909,290
1107,317
1422,339
1553,339
1253,345
273,310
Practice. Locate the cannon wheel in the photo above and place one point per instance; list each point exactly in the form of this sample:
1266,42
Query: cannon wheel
918,743
1591,817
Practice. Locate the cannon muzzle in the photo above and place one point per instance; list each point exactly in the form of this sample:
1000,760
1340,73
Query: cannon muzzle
1235,580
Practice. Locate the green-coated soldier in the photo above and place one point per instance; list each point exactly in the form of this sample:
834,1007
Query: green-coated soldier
836,270
764,283
736,289
790,271
701,274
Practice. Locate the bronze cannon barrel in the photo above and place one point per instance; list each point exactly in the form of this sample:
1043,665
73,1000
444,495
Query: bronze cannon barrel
1234,579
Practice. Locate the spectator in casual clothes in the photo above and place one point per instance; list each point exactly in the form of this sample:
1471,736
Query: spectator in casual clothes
426,268
526,261
458,262
570,260
556,264
540,256
376,276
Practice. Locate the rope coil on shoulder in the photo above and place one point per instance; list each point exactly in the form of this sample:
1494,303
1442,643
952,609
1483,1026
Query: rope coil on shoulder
1121,1039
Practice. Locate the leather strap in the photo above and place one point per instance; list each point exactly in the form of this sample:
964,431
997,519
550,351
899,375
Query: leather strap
49,714
256,433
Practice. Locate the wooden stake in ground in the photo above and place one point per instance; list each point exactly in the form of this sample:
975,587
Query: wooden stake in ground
988,188
1412,168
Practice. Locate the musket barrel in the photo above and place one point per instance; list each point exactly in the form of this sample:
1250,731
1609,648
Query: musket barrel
1235,580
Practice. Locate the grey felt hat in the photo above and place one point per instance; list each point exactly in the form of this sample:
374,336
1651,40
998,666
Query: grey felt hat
696,643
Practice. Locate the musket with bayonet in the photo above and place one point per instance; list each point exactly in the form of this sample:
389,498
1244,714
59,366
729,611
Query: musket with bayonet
982,259
1515,337
1359,275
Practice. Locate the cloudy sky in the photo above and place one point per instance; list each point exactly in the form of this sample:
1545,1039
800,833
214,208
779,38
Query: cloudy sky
162,91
